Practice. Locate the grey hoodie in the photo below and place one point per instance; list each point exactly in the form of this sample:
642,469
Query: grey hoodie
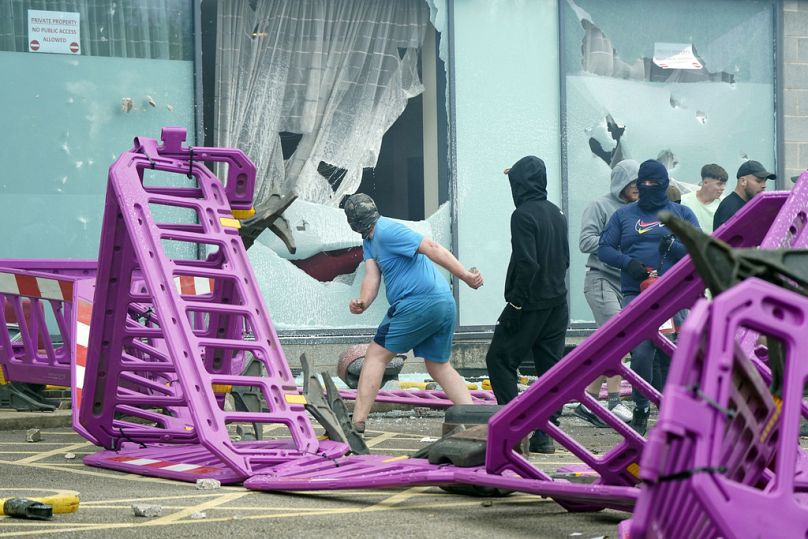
597,214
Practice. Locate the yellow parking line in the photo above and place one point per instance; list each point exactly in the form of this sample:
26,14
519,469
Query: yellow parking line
395,499
87,471
379,439
149,499
292,514
179,515
52,452
29,443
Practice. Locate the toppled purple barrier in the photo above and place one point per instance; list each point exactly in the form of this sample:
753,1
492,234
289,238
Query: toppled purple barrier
38,354
167,331
721,461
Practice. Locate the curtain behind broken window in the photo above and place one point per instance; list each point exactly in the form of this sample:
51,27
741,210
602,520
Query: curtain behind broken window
339,73
157,29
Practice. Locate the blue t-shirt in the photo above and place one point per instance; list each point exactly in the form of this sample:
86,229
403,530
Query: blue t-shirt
406,272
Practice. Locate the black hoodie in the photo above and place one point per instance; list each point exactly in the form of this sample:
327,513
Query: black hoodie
540,250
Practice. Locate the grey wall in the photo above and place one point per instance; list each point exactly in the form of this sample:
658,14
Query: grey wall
795,86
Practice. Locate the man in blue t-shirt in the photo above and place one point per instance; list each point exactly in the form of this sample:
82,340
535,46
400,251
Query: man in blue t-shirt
422,308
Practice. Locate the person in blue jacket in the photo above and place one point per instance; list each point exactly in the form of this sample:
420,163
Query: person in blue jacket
637,242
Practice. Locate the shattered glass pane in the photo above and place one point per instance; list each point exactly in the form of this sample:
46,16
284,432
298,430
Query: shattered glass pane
713,103
507,106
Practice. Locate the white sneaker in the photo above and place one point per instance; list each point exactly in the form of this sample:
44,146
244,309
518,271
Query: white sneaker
622,412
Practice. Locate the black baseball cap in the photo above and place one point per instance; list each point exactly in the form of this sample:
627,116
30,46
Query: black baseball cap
753,168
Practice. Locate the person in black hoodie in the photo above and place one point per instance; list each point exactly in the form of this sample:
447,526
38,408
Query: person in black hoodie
536,315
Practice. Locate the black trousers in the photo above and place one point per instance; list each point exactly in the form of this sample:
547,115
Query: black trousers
539,336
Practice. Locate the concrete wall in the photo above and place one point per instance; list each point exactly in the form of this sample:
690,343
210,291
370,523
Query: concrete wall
795,86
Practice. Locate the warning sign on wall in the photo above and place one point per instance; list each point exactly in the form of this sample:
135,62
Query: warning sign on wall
53,31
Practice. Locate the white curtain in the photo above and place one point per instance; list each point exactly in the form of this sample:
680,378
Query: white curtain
337,72
157,29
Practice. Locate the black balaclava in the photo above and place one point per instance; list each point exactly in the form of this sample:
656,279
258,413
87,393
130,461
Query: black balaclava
656,197
361,213
528,178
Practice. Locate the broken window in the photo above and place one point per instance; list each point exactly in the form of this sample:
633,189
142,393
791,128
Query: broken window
327,99
685,86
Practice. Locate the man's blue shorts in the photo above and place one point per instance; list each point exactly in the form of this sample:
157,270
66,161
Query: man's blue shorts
423,324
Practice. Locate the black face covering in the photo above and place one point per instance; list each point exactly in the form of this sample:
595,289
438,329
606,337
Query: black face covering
361,212
656,196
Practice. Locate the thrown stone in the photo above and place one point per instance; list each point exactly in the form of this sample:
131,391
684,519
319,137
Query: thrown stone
208,484
146,510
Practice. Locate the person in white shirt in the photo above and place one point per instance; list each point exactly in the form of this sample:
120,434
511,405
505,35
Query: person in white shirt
704,202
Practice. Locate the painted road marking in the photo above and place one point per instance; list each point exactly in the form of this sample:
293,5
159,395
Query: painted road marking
395,499
292,514
52,452
221,500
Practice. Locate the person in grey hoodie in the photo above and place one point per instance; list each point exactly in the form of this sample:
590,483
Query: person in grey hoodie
602,282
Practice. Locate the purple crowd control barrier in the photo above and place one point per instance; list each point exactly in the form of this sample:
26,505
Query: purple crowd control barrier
437,399
36,314
167,331
379,471
721,461
422,397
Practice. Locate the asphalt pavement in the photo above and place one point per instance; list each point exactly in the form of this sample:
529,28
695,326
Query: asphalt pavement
41,469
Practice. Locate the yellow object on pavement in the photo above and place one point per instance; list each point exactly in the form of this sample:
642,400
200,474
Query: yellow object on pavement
65,501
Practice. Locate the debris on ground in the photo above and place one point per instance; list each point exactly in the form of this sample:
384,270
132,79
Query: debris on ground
26,508
198,515
487,503
70,456
208,484
33,435
146,510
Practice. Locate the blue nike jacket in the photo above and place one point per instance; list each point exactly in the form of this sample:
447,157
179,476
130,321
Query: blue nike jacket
634,233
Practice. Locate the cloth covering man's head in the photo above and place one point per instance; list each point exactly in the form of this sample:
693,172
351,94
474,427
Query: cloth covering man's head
361,213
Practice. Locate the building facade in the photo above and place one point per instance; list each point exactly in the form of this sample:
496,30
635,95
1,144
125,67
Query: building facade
419,103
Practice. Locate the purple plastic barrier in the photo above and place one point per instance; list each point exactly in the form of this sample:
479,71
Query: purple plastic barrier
191,462
422,397
721,461
381,471
157,347
57,266
29,300
438,399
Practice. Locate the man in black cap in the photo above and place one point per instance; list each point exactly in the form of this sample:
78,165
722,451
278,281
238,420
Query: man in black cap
422,309
752,177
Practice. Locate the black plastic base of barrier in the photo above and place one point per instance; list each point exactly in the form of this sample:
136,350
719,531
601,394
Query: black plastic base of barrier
25,397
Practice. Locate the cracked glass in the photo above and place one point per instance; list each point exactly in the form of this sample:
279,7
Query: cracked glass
652,80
